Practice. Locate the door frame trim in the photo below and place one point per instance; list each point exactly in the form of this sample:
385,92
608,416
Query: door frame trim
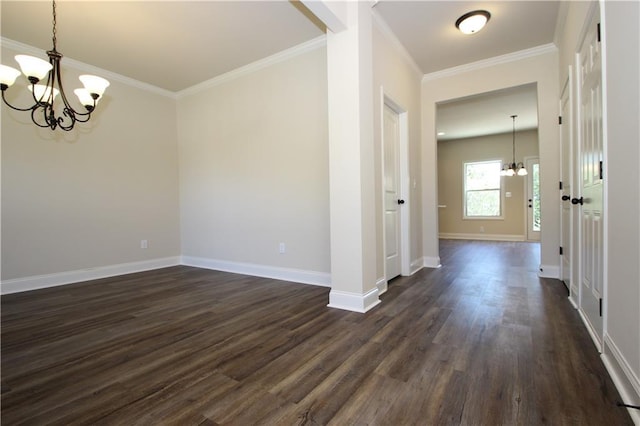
403,172
569,121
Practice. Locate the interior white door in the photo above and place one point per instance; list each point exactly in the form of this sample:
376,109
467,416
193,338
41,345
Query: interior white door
533,199
392,200
589,200
566,177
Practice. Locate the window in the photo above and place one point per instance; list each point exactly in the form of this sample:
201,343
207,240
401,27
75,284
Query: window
535,204
482,194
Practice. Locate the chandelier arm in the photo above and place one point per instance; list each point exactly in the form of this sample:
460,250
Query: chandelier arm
82,118
34,111
67,105
61,119
42,102
48,113
14,107
71,116
69,109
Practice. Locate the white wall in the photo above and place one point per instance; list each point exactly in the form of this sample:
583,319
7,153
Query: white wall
622,84
254,170
84,199
397,78
536,66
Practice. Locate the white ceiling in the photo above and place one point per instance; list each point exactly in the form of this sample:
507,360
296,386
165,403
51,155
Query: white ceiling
177,44
169,44
427,29
489,113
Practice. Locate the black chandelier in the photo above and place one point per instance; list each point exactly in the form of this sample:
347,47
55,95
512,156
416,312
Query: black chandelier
42,111
514,168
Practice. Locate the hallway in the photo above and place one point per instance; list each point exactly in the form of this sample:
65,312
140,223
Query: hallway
480,341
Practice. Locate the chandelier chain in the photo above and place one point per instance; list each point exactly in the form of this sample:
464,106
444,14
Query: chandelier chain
513,117
54,26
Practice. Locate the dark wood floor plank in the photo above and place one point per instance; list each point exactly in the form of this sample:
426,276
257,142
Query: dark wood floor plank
480,341
180,402
291,365
421,401
371,402
306,379
329,396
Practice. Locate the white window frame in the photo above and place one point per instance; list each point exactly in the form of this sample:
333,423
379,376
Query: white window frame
464,192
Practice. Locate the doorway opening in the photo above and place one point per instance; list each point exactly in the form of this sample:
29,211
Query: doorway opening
478,129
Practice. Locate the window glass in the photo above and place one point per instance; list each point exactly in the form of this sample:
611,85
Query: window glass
482,189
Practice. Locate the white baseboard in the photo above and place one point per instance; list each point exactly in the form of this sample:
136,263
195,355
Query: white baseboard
418,264
481,237
69,277
573,294
549,271
284,274
354,302
592,333
623,376
573,302
382,286
431,262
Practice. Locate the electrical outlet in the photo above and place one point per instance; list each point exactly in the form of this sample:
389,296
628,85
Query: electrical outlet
282,248
144,244
482,229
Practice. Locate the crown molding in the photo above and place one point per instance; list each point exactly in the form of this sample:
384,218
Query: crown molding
382,25
313,44
292,52
497,60
84,67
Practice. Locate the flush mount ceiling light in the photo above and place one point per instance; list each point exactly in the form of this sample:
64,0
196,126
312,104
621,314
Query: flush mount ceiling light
514,168
42,111
472,22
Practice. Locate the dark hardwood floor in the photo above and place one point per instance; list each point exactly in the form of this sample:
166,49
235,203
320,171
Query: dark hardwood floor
480,341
